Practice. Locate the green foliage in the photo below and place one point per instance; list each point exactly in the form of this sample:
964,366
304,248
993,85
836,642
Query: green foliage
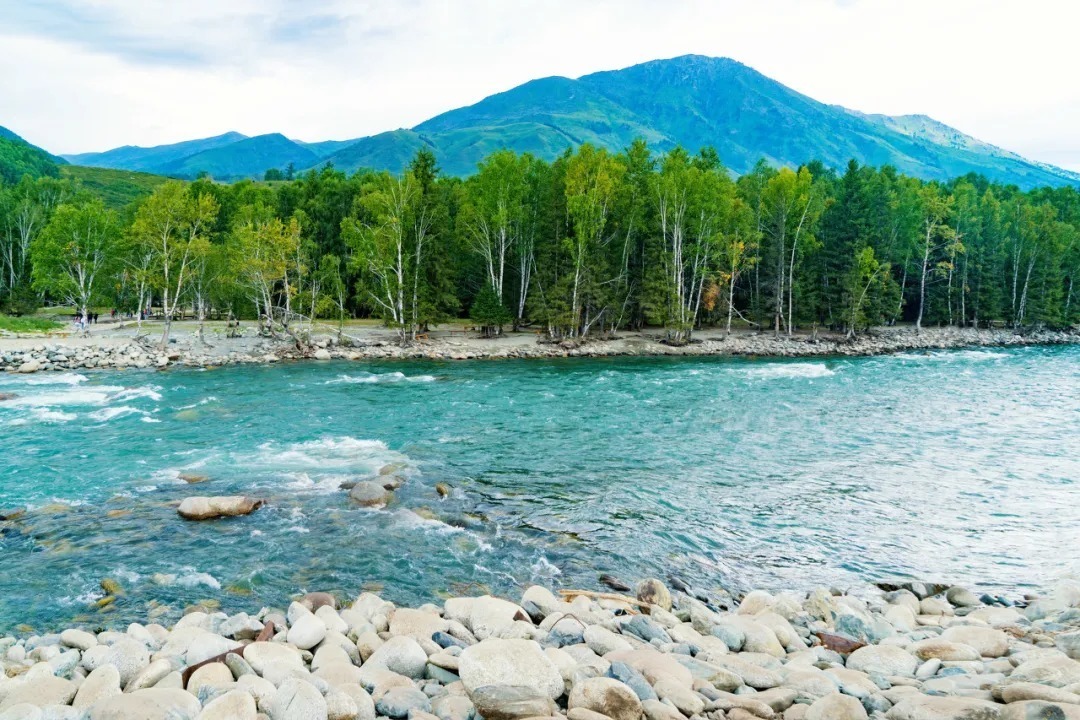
586,245
73,255
488,312
18,158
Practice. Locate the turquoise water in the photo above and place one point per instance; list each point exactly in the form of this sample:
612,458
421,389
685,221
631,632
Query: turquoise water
959,466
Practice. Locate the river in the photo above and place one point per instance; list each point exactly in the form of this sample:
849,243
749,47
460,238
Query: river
727,473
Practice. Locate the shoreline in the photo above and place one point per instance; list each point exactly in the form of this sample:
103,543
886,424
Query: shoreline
907,651
107,348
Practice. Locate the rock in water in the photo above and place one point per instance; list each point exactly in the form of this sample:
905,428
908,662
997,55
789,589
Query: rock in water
206,508
370,494
614,583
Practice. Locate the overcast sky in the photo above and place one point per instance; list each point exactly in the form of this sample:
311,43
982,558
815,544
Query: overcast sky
91,75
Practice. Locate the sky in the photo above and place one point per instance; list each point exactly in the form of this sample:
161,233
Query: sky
78,76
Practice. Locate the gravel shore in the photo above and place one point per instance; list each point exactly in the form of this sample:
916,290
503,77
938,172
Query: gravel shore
119,350
909,651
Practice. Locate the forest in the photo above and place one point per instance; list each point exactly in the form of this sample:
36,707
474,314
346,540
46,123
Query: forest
577,248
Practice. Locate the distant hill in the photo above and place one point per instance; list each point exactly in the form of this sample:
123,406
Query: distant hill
18,158
244,158
691,101
152,159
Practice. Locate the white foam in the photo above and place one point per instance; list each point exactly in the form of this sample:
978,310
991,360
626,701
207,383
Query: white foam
325,484
107,414
188,577
789,370
56,379
148,419
378,378
952,355
46,415
147,391
329,453
98,395
409,519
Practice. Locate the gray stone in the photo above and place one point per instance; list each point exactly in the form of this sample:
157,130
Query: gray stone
401,702
402,655
370,494
633,680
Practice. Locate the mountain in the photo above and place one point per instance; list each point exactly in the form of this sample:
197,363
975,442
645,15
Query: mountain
152,159
18,158
245,158
691,101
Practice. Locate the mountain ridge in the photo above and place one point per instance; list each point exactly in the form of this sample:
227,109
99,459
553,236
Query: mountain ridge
691,100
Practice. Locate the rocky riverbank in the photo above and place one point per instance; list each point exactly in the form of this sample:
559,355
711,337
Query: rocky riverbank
145,353
912,651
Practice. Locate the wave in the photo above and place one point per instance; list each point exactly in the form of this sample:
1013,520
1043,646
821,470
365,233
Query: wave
107,414
187,577
88,396
789,370
380,378
953,355
323,485
329,453
147,391
51,416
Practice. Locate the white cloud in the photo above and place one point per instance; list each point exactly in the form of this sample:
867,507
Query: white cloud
78,76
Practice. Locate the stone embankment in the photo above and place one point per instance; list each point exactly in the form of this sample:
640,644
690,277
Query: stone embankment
148,354
911,652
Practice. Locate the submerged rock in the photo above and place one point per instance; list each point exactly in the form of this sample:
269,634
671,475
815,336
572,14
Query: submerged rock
207,508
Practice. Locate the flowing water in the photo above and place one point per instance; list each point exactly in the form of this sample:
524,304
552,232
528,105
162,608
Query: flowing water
960,466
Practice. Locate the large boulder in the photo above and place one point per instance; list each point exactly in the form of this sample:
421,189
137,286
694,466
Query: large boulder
835,706
207,508
40,691
370,494
654,592
606,696
510,679
653,664
943,650
1040,710
927,707
402,655
1053,670
989,642
100,684
149,704
883,659
233,705
297,700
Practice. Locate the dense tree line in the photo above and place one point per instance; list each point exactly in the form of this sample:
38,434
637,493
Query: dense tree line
583,246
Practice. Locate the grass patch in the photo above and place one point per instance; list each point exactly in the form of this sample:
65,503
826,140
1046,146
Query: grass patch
27,324
116,188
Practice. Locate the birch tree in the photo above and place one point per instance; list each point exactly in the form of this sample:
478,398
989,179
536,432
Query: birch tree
169,225
73,254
